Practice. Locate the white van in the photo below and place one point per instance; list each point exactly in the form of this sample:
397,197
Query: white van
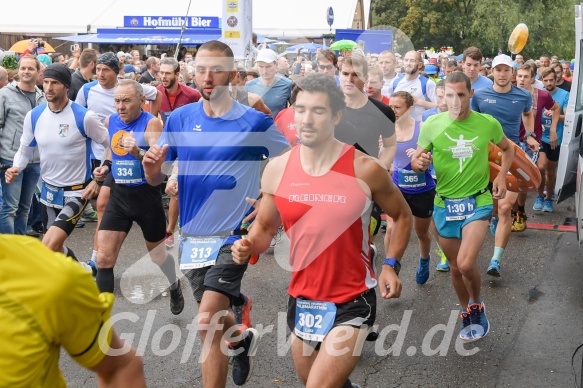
570,168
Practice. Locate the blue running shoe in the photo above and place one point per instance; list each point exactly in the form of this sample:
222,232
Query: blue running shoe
466,332
538,204
93,266
493,225
443,265
547,205
422,271
494,268
480,325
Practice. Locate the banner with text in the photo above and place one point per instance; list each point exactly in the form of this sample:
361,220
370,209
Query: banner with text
171,21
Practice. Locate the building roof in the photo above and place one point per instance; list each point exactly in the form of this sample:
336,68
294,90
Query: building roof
274,18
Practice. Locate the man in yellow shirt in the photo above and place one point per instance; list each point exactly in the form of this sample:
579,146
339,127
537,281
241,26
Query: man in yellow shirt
57,304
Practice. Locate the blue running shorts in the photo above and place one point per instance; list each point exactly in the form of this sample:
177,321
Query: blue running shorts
453,229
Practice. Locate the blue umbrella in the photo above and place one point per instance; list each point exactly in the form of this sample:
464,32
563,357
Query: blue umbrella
304,47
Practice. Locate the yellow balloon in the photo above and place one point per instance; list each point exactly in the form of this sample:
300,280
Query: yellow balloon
518,38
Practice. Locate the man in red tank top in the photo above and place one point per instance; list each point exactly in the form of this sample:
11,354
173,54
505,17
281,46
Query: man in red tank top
322,191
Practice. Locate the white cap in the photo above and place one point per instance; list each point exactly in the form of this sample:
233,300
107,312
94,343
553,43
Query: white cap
121,54
266,55
502,59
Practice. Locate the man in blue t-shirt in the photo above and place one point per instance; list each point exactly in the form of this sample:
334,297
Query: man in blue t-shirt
550,142
471,65
218,144
273,89
508,104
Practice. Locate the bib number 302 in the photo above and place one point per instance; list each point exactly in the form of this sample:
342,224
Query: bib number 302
314,319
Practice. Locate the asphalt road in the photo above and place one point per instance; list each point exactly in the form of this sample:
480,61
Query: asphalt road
535,311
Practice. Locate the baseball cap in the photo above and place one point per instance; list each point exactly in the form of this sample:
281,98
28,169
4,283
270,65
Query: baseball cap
266,55
121,54
502,59
430,69
129,69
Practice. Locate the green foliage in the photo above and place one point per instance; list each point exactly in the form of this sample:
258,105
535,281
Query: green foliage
9,62
484,24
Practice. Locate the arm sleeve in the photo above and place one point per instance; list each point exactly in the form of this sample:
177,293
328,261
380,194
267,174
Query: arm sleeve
150,92
27,144
431,86
85,333
95,130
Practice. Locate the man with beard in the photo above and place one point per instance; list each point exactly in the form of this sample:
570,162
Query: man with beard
219,144
62,131
420,87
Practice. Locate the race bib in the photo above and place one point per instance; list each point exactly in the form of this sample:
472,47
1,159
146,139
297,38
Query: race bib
314,319
460,208
200,252
409,178
52,196
126,171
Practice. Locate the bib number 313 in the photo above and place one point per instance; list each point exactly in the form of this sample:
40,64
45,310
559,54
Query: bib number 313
460,208
314,319
200,252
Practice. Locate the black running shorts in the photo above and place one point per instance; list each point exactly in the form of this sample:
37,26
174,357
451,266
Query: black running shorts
421,204
140,204
552,155
359,312
224,276
65,218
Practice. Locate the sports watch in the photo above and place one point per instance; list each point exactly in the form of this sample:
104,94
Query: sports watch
394,263
141,154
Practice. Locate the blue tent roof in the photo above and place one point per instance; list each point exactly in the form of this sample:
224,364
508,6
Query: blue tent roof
146,36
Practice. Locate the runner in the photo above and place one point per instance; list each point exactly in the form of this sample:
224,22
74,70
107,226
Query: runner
62,130
420,87
15,101
541,101
174,95
388,64
131,131
471,64
56,306
507,104
550,142
97,96
337,184
417,189
214,181
458,142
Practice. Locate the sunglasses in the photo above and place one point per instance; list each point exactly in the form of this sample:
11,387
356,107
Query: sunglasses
327,67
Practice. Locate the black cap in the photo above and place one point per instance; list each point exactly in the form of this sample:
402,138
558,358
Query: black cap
59,72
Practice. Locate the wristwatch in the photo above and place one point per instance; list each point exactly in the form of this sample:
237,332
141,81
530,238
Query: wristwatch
141,154
530,134
394,263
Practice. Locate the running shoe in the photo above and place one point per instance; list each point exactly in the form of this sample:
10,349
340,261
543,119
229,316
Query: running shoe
243,359
93,266
80,224
422,271
494,268
480,325
538,203
243,313
465,332
89,216
519,222
493,225
547,205
169,239
443,265
176,299
277,238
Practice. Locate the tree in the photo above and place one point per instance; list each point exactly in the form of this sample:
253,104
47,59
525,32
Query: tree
484,24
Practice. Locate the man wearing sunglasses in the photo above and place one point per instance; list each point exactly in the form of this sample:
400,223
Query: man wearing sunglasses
327,64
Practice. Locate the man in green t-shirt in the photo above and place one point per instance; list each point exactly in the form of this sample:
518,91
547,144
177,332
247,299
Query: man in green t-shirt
457,142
